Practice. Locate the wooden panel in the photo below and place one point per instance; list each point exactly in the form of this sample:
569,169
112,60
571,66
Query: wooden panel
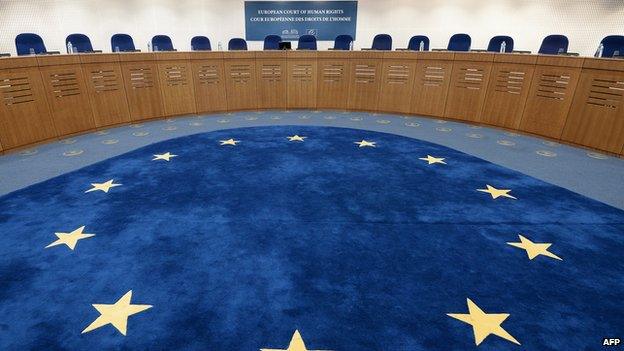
607,64
397,83
596,118
549,100
333,83
178,96
302,77
24,114
431,87
209,84
271,80
507,93
142,89
67,96
240,82
467,90
365,83
106,93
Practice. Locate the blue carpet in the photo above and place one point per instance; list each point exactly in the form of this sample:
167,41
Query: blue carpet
358,248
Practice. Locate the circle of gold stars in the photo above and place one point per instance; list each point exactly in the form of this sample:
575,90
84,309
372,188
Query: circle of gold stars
483,324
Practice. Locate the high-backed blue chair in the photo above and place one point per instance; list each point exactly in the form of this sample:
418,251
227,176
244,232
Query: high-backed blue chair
497,41
237,44
200,43
382,42
26,41
459,42
554,44
80,42
612,43
307,42
271,42
343,42
162,43
414,43
122,42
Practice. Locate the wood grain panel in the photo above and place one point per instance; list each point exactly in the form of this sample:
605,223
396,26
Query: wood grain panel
302,78
549,100
271,79
333,81
596,117
67,96
106,93
365,83
178,95
467,90
431,87
507,93
24,113
209,81
397,84
240,80
141,81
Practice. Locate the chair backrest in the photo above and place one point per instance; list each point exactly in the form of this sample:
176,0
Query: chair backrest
382,42
123,42
26,41
200,43
307,42
343,42
612,43
271,42
162,43
414,43
237,44
554,44
497,41
459,42
80,42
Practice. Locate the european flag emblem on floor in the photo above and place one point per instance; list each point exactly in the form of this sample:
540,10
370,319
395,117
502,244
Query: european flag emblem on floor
306,238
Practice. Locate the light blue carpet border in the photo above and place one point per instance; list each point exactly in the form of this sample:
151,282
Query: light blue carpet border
588,173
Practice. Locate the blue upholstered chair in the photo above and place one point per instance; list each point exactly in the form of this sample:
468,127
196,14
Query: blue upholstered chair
497,41
414,43
162,43
459,42
237,44
554,44
26,41
343,42
382,42
80,42
307,42
200,43
271,42
613,43
123,42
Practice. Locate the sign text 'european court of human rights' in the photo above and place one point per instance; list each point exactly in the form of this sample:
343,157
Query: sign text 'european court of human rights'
291,19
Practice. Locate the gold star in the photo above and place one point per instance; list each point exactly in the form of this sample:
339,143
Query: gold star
296,344
535,249
105,187
166,156
70,239
116,314
484,324
365,143
296,138
496,193
433,160
229,142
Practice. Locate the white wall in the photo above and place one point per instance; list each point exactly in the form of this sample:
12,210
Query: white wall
585,22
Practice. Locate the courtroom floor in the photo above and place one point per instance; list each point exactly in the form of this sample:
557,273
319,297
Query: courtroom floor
592,174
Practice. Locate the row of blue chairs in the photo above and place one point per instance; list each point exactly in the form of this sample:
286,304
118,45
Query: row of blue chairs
30,43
